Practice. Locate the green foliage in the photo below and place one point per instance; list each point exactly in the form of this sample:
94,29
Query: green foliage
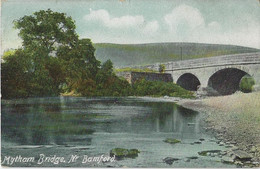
107,67
8,53
44,33
161,68
246,84
59,61
80,67
46,30
53,61
158,88
22,76
109,84
15,74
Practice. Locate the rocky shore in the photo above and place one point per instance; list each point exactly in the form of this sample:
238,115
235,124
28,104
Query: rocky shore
235,121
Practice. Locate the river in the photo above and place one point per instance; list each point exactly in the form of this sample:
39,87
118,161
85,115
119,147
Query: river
66,126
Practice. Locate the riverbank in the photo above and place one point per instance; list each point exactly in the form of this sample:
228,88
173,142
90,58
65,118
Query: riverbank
235,119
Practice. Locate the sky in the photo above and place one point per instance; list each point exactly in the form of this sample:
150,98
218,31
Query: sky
235,22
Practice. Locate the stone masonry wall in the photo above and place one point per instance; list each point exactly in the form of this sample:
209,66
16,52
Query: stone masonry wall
132,77
245,58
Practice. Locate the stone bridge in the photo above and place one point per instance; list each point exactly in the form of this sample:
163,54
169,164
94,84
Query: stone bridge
222,73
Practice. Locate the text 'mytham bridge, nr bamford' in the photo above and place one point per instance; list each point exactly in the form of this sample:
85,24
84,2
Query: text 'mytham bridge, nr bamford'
222,73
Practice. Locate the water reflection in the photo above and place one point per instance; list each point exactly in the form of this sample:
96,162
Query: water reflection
68,120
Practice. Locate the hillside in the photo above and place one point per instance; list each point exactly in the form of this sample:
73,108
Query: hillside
123,55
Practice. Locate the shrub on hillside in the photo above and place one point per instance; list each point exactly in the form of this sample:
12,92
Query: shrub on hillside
246,84
162,68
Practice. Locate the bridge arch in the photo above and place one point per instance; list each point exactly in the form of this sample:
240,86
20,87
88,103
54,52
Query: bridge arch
189,82
226,81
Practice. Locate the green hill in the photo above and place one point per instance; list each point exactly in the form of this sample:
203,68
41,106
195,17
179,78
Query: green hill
123,55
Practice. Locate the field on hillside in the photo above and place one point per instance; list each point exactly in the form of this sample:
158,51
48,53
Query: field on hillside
123,55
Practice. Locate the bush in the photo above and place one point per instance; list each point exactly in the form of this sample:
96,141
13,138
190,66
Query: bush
159,88
108,84
246,84
161,68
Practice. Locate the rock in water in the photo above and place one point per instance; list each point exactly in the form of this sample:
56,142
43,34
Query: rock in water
121,152
221,144
171,141
226,159
193,157
197,142
209,152
228,146
242,155
238,163
187,160
223,153
170,160
253,149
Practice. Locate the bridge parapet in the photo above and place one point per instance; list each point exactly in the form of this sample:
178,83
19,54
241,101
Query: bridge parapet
236,59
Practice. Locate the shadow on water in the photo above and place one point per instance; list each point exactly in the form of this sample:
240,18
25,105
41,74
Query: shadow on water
39,122
60,120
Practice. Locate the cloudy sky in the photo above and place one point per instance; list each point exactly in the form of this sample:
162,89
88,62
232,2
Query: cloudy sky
234,22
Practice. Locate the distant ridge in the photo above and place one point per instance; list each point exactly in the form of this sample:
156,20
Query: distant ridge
123,55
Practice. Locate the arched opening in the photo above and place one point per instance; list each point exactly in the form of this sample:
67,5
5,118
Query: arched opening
189,82
226,81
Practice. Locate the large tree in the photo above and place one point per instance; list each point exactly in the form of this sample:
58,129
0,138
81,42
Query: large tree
53,59
43,34
47,31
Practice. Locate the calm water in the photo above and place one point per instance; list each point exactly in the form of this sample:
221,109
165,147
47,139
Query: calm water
65,126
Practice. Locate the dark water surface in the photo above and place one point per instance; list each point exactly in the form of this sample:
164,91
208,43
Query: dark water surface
65,126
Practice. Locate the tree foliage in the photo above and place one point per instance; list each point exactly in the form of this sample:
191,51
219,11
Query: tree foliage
161,68
246,84
15,74
54,60
80,66
109,84
47,31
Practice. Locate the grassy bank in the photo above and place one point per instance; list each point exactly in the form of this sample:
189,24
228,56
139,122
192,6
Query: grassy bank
142,87
236,118
159,88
